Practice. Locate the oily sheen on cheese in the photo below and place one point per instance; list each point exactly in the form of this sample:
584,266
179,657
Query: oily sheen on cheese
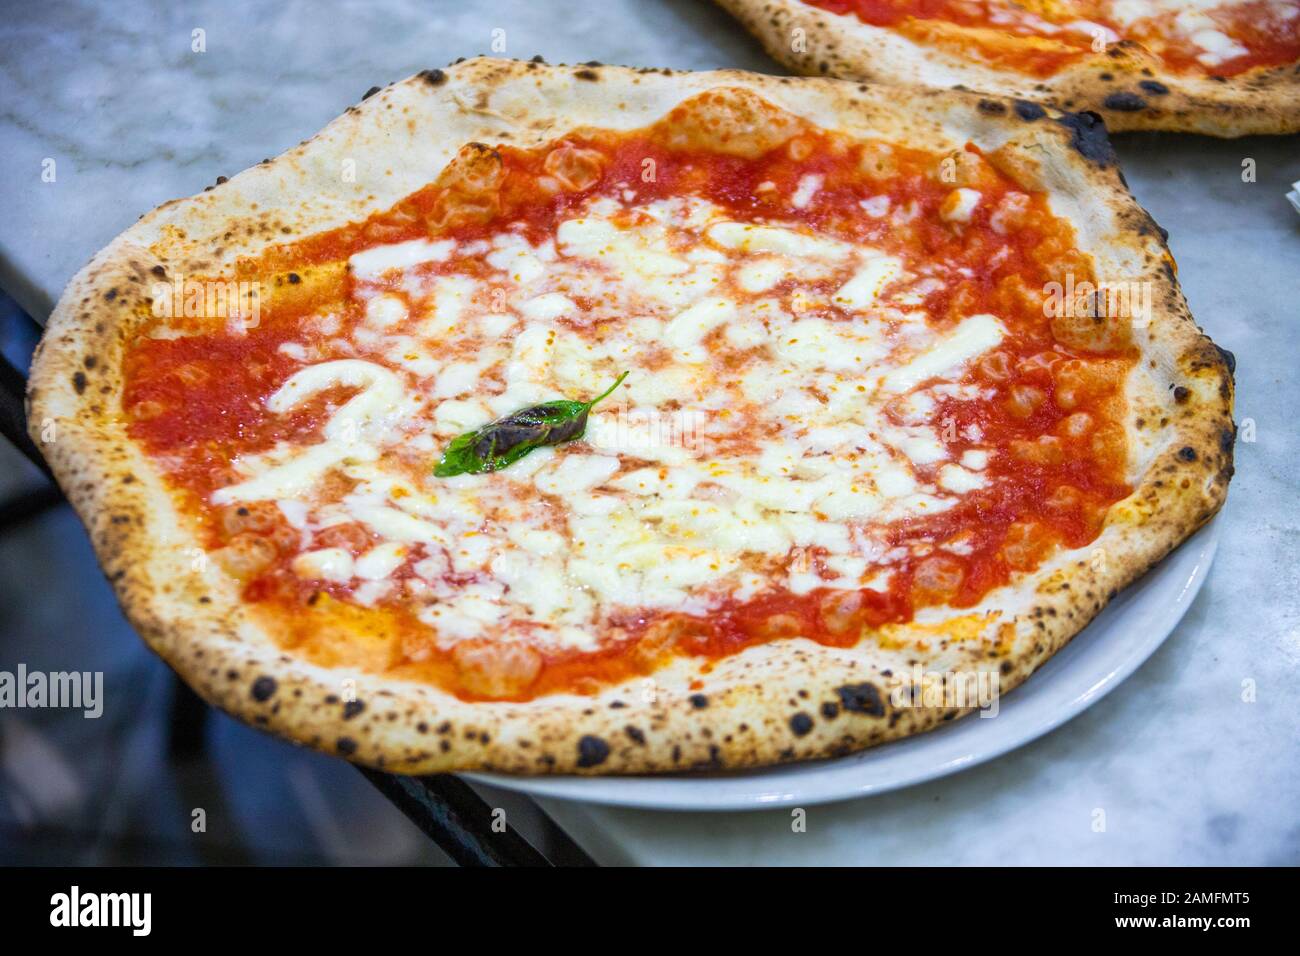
844,403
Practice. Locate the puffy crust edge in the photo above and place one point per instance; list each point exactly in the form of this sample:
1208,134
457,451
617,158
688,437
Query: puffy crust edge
1126,86
792,700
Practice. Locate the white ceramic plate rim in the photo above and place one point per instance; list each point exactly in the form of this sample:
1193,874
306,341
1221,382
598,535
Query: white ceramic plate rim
1101,657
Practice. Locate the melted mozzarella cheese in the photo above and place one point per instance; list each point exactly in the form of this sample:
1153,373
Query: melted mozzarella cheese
972,337
373,263
720,458
692,324
745,237
862,291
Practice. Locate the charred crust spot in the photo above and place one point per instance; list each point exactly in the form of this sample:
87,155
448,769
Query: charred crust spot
537,59
346,746
589,75
352,708
422,728
1229,359
992,107
159,271
1182,394
801,724
1154,87
263,689
699,701
1123,101
1088,137
369,93
1105,77
294,278
830,710
433,77
592,751
635,734
79,381
616,705
861,698
110,295
1187,453
1028,111
1227,438
89,361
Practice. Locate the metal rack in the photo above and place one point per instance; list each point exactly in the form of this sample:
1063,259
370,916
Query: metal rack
443,806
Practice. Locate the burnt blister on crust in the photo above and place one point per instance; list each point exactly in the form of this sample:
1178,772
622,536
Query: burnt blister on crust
1029,111
1229,359
863,698
592,751
263,689
1123,101
1088,137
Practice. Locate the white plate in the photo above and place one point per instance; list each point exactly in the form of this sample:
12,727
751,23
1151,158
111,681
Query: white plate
1124,635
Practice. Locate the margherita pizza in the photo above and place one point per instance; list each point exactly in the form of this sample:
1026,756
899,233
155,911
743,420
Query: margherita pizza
1221,67
552,419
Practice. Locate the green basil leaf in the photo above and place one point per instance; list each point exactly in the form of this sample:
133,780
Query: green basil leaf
503,442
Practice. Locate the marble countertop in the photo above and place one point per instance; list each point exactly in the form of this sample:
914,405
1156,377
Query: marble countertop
1186,769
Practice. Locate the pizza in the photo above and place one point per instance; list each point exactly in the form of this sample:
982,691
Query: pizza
1219,67
556,419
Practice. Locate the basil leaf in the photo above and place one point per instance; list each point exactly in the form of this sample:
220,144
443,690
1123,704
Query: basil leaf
504,441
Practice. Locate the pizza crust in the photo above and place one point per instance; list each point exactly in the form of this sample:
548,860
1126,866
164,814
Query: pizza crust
787,700
1126,86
